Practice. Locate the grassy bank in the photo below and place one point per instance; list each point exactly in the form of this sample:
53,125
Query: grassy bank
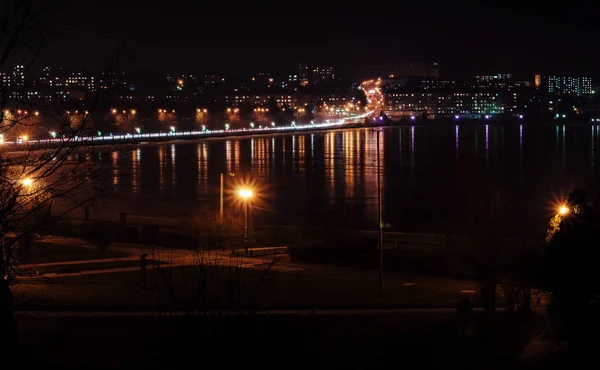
294,342
204,287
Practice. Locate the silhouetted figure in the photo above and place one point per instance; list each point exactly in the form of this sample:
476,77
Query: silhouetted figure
143,279
464,310
571,263
123,218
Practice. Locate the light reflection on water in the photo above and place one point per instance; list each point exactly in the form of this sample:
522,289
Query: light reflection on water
307,173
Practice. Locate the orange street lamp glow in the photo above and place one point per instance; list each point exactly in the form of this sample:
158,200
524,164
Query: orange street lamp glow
245,194
563,210
27,181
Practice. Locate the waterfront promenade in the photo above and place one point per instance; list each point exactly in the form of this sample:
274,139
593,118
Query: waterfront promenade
139,137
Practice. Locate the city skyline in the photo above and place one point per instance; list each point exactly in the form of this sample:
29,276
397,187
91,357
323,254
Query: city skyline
187,37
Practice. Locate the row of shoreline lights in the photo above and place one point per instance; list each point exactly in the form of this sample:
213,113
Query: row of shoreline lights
21,111
457,117
171,128
132,111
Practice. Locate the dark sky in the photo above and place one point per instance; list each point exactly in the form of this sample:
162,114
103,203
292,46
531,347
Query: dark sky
197,36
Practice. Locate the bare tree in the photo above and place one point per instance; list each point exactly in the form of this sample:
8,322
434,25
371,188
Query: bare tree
36,173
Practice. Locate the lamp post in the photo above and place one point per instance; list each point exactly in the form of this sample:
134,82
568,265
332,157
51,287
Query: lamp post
245,194
221,194
380,236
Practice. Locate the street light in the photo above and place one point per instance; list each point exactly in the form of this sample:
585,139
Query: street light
563,210
245,194
28,181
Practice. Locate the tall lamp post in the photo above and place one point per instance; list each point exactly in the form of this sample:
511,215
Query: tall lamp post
221,194
245,194
380,236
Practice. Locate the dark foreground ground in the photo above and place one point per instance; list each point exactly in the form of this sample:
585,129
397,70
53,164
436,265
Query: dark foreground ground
423,339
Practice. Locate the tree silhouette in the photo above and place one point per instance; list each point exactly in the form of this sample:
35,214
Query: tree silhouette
570,267
40,175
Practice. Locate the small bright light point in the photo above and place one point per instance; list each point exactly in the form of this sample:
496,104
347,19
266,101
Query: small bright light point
172,128
53,134
520,116
457,116
138,130
245,193
27,181
563,210
24,138
273,124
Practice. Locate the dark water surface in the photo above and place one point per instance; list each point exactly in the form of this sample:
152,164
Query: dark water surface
434,178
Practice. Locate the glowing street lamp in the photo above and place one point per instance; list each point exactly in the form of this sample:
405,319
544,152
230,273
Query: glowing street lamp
273,124
53,134
28,181
563,210
138,130
245,194
172,128
252,124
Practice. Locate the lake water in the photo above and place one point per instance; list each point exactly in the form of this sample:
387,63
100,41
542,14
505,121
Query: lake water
433,178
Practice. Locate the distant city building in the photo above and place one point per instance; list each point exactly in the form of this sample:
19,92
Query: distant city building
112,81
564,85
416,69
213,79
303,74
81,81
438,97
5,79
321,74
181,81
18,77
496,77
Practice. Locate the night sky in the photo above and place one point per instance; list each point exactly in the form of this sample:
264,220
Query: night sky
196,37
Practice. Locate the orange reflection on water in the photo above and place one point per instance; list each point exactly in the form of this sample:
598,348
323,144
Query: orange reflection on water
136,156
330,162
115,166
161,167
228,155
350,160
173,167
202,163
301,153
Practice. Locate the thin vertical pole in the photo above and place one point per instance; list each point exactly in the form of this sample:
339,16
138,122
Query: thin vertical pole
380,217
246,222
221,201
